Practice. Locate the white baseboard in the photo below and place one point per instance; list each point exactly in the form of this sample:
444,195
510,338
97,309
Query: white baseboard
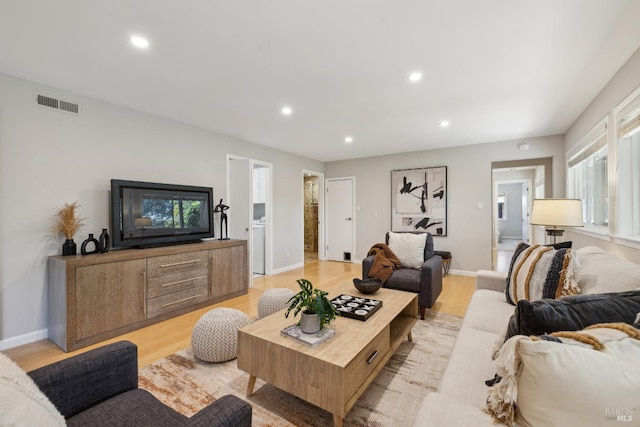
463,273
287,268
24,339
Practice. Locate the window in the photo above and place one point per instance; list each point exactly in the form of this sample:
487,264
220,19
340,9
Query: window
628,170
588,178
502,205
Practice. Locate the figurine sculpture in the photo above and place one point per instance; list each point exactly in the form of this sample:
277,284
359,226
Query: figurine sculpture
221,208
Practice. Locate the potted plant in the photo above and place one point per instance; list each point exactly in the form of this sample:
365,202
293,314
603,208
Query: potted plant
316,308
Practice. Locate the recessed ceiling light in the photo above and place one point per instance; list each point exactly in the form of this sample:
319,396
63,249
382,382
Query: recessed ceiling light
348,140
416,76
444,123
140,42
286,110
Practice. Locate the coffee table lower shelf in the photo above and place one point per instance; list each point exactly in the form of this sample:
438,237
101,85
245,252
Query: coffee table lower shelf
334,374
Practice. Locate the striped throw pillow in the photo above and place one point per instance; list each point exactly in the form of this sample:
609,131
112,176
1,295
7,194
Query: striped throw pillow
538,272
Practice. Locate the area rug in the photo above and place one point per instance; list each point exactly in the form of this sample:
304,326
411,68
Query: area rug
187,384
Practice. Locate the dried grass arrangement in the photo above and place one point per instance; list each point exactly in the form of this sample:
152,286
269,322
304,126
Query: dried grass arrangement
67,222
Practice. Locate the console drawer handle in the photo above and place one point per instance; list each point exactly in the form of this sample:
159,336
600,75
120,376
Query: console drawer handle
372,357
179,301
176,264
182,281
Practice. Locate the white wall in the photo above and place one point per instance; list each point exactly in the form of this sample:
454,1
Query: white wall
469,193
49,158
622,84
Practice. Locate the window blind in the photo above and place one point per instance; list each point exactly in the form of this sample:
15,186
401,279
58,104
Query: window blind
629,122
599,142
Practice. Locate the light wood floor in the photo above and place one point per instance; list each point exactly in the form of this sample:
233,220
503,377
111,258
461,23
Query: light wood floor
162,339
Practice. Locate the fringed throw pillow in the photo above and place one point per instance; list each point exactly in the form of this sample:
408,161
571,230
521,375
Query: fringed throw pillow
588,377
538,272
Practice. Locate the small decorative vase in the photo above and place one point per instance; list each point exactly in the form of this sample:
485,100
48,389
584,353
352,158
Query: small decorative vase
104,241
69,247
91,239
309,322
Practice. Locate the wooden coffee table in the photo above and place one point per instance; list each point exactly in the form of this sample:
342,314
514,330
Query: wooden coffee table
335,373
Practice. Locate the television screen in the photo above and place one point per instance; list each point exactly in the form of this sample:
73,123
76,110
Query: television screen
152,214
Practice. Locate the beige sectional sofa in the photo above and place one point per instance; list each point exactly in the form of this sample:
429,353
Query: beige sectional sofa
462,392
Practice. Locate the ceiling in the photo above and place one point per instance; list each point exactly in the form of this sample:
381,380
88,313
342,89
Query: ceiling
496,69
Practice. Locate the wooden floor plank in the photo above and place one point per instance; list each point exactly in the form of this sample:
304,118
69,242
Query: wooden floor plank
162,339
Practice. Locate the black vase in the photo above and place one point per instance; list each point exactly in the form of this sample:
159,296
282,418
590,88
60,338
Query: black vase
69,247
91,239
104,241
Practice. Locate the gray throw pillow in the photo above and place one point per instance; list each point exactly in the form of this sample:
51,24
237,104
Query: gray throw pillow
573,313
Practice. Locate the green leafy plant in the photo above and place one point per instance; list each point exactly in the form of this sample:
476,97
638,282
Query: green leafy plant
313,301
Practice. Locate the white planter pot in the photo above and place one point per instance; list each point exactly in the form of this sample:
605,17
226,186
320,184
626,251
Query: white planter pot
309,322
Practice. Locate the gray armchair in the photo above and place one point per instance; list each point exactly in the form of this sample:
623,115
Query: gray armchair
100,388
426,281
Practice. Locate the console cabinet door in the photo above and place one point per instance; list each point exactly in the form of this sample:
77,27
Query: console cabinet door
109,296
228,271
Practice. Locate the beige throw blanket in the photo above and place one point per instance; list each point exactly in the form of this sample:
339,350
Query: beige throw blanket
384,263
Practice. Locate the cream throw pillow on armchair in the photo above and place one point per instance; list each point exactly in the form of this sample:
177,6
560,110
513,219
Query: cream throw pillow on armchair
409,248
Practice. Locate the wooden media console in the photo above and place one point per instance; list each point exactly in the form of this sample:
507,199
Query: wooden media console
99,296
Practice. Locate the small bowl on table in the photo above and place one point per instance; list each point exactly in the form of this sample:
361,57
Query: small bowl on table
367,286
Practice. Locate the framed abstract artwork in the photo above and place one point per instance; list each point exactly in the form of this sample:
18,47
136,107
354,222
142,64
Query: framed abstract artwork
419,200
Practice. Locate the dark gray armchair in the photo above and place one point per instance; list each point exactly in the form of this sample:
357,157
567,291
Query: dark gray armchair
100,388
426,281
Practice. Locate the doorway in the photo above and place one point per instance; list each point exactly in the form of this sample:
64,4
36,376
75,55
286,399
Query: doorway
249,195
514,186
313,205
513,198
261,196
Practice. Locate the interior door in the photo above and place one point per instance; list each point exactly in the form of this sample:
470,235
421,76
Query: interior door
340,218
239,199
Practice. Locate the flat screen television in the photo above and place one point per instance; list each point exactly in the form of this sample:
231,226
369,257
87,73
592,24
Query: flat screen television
147,214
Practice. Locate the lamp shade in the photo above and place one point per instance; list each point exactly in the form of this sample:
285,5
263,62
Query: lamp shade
557,212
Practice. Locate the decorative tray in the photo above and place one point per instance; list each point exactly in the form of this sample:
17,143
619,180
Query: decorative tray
356,307
311,340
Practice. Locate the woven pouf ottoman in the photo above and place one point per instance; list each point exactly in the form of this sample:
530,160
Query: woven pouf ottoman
215,336
273,300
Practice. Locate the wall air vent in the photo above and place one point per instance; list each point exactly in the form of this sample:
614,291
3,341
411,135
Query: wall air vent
56,104
69,107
